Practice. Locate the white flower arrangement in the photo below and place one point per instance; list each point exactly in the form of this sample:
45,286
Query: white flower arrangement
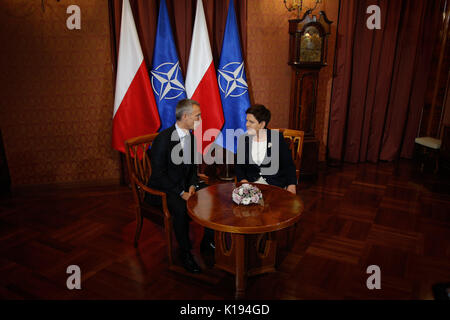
247,194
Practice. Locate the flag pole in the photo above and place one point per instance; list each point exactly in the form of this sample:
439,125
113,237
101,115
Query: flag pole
227,176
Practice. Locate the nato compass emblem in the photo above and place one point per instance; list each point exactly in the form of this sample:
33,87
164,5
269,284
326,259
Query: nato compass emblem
231,79
166,81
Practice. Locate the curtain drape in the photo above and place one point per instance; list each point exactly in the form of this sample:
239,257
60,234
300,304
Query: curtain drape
380,79
181,14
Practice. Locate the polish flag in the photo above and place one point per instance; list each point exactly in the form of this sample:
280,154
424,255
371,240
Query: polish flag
201,80
135,111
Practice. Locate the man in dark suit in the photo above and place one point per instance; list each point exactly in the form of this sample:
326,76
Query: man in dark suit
174,172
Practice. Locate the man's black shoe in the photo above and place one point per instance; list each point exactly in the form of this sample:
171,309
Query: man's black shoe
189,263
207,247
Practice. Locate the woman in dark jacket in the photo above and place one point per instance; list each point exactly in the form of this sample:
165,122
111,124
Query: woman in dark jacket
263,155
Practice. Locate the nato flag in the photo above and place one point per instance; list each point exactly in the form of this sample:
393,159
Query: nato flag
166,77
232,83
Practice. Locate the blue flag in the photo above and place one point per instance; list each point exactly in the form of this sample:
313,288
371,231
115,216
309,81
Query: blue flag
166,77
232,83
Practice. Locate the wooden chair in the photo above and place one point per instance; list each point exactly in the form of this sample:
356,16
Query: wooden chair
295,139
427,148
139,168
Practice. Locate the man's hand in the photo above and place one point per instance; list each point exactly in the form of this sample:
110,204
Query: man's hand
291,188
186,196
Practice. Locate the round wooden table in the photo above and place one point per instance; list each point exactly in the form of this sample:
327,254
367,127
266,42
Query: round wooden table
213,207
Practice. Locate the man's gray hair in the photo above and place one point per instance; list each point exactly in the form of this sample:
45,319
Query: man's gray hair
184,106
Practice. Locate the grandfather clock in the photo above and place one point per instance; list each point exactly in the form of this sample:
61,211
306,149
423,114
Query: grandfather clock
307,55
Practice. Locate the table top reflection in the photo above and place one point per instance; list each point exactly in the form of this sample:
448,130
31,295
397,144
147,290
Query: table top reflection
214,208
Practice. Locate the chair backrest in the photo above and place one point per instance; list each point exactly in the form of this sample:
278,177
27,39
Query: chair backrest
295,139
138,163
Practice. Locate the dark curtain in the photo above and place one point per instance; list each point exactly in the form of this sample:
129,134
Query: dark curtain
182,15
380,79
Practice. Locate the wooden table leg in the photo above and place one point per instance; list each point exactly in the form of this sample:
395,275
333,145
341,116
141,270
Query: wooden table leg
240,265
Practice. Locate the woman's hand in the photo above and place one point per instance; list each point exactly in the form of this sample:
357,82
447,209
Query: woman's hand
291,188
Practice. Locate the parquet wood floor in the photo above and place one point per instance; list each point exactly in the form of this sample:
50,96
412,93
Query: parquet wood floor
356,216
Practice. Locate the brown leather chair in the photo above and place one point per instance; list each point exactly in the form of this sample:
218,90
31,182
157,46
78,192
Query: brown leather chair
139,169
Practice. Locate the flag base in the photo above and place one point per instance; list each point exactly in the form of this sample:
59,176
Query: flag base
227,176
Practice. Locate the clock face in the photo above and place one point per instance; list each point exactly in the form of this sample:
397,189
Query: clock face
311,45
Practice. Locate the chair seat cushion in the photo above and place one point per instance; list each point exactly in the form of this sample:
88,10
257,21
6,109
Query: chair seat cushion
429,142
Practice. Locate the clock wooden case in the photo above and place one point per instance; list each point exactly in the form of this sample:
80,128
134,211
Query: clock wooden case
308,47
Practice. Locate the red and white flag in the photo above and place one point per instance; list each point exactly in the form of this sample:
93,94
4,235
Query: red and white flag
201,80
135,111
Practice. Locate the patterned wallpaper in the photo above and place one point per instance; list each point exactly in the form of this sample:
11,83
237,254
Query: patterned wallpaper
267,56
57,93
